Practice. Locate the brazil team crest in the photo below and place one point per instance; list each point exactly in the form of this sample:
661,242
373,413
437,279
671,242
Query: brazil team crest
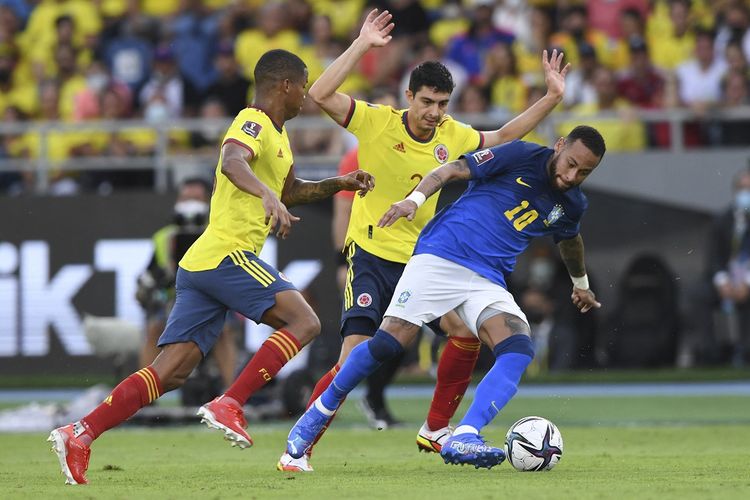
404,297
554,215
441,153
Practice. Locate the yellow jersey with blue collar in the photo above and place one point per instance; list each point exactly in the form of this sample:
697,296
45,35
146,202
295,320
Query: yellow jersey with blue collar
398,160
237,219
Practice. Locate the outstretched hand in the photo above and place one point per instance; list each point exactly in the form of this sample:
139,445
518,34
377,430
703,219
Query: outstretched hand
278,215
376,28
584,300
358,180
403,208
554,77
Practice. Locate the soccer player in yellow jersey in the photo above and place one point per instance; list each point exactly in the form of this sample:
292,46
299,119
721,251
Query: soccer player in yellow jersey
255,182
400,147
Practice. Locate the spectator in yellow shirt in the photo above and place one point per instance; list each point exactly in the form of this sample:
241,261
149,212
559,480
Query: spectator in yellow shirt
674,47
500,75
12,91
620,128
575,30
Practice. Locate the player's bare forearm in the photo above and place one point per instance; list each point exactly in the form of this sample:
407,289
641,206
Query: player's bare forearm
571,252
428,186
297,191
374,33
324,90
301,191
523,123
443,175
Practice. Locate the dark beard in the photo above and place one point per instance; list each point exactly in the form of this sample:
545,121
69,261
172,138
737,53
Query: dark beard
552,170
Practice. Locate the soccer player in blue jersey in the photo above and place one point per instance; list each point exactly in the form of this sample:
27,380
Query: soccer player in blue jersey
517,191
399,147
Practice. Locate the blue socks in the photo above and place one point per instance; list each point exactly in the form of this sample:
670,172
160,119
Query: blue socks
512,356
362,361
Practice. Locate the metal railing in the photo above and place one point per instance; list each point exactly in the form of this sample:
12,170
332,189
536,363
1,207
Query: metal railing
165,159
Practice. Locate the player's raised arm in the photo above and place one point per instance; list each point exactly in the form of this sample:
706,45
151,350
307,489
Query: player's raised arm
235,160
435,180
524,123
571,252
374,33
298,191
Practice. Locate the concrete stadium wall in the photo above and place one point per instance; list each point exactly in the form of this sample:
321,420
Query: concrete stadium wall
694,180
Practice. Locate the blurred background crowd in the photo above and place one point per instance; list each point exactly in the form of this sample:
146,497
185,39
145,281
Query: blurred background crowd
131,98
157,61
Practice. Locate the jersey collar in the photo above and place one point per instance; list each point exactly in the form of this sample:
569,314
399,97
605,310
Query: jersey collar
411,134
275,125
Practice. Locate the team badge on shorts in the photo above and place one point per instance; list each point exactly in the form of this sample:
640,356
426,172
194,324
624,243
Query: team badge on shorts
554,215
283,276
441,153
364,300
404,297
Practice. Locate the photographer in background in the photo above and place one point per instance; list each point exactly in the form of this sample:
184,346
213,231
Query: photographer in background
155,290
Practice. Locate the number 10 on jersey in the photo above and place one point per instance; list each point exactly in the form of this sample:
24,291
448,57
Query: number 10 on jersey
520,216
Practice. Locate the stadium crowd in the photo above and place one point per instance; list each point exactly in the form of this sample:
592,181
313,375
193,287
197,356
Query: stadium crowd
158,60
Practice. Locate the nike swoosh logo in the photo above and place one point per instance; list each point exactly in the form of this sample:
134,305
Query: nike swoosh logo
520,181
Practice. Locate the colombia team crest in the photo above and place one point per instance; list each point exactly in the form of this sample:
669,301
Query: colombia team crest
441,153
364,300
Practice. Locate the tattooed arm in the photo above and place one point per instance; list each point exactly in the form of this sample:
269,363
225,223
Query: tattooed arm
435,180
298,191
571,252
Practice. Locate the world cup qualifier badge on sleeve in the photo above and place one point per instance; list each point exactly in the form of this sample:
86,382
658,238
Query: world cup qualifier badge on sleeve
252,129
483,156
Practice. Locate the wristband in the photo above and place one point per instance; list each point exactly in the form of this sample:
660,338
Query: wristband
417,198
581,282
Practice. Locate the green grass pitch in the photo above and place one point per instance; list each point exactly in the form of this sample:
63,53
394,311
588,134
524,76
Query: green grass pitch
626,447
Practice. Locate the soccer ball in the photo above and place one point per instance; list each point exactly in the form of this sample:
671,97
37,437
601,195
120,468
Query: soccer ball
533,444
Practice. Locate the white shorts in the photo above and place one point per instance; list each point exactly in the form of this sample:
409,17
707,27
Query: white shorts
431,286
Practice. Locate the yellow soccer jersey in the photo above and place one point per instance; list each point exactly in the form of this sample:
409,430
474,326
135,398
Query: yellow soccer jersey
237,219
398,160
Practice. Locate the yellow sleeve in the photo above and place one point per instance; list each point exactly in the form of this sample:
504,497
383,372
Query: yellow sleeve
367,121
247,131
469,138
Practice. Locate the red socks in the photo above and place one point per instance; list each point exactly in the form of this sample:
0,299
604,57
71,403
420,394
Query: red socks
453,377
130,395
275,352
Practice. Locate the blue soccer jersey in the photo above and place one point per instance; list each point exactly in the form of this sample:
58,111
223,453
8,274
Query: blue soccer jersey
510,200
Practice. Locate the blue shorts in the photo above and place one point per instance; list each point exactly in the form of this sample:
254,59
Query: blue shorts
370,283
242,283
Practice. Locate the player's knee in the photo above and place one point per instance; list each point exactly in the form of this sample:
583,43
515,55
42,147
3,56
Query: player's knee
305,328
519,343
174,380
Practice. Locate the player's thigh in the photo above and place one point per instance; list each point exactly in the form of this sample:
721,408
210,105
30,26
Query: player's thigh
429,288
501,326
491,313
368,289
196,317
250,286
452,325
